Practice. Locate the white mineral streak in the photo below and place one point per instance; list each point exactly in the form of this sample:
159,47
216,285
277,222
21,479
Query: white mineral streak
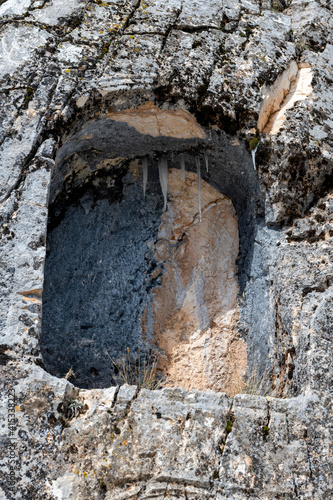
207,162
253,153
145,175
182,168
163,171
197,160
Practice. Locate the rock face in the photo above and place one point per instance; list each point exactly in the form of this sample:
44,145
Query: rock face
97,284
293,85
194,311
150,120
87,89
122,277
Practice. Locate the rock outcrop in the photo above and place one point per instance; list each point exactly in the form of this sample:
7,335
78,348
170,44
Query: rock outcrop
88,90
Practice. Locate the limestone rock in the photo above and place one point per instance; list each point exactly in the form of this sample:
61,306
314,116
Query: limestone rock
64,67
195,309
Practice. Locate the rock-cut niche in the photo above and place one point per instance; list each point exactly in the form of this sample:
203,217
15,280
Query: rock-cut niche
141,256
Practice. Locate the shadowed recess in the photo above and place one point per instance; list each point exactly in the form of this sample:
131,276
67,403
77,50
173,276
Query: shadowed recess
136,265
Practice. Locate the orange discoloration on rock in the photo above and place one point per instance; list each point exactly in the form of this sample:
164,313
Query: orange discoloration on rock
87,136
34,295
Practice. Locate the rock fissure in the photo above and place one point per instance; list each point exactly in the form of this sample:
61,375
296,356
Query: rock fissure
266,428
287,428
171,28
292,86
131,14
309,460
229,421
114,401
26,163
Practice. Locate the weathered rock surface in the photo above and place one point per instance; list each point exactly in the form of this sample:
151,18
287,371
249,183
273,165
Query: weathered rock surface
194,311
148,119
98,281
64,67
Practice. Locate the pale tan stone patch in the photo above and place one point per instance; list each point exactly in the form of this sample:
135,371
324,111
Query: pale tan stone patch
195,312
81,101
148,119
293,85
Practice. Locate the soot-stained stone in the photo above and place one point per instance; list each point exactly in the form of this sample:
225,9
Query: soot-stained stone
97,283
91,194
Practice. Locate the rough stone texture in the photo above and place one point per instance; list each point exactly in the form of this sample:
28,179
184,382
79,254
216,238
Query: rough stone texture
148,119
97,285
63,66
293,85
122,276
194,311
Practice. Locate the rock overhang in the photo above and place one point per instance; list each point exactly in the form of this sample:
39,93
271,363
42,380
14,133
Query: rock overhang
106,144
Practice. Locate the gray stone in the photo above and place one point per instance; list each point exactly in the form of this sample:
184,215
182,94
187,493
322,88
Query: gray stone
63,68
18,44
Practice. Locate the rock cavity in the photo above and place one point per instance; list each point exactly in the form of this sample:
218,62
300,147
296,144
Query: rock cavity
98,280
293,85
125,276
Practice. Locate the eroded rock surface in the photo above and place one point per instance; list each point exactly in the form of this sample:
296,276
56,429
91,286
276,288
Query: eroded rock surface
293,85
64,67
97,284
194,311
123,277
